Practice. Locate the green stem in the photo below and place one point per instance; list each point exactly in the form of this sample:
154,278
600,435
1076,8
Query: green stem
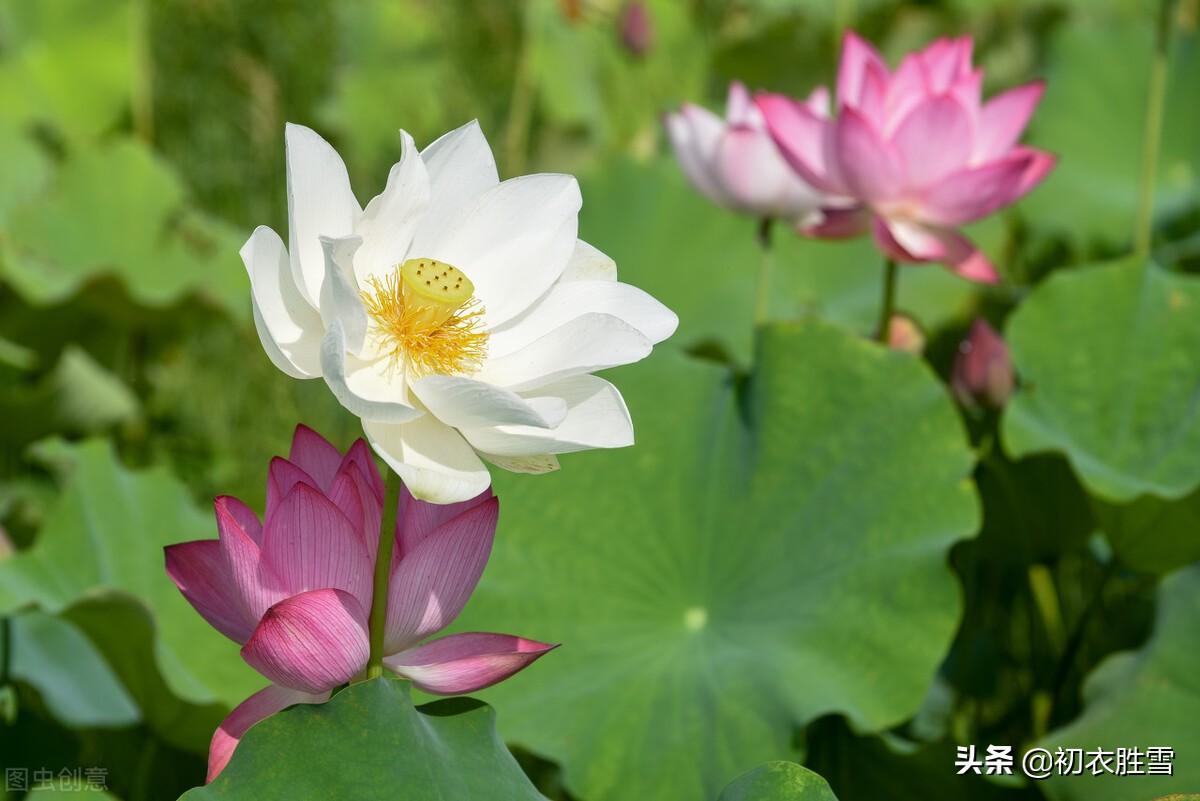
762,299
888,305
5,650
383,565
1152,133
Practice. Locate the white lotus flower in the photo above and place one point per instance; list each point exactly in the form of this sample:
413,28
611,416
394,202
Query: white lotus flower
457,315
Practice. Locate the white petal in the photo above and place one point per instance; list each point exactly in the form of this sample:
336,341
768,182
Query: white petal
320,203
532,465
366,389
290,329
340,302
459,401
391,218
433,460
461,168
589,264
694,133
588,343
567,300
513,242
596,418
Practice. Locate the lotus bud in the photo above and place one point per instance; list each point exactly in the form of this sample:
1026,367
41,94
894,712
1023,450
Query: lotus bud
983,371
636,29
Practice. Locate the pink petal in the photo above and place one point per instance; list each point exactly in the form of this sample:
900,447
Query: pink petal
416,520
818,102
360,455
976,192
800,134
245,517
934,140
262,704
312,642
739,108
1002,120
870,167
432,583
907,241
908,87
872,102
857,57
966,260
365,510
282,475
199,571
839,224
309,544
257,586
946,60
315,455
465,663
756,179
693,133
1040,165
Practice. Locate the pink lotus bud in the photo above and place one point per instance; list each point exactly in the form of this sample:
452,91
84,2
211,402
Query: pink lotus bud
912,153
983,371
734,163
636,29
295,589
905,335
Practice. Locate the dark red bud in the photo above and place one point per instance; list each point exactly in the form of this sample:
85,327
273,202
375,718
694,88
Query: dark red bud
983,370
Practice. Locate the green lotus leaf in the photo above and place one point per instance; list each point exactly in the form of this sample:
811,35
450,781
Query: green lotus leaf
120,209
766,553
1092,194
1149,698
370,742
1109,360
105,536
778,781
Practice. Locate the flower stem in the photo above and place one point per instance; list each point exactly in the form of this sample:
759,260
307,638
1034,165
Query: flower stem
888,305
383,571
762,297
520,105
1152,132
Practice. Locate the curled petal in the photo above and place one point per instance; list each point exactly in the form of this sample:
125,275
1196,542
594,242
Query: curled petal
369,390
432,583
596,418
310,642
200,572
465,663
433,460
288,325
262,704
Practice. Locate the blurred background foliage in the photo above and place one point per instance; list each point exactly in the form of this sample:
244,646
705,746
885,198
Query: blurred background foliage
142,141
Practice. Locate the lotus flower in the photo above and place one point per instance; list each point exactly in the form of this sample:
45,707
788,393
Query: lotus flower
295,590
912,154
983,372
735,164
458,316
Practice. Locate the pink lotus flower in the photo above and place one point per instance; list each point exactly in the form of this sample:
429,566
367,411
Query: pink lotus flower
983,372
912,154
295,590
735,164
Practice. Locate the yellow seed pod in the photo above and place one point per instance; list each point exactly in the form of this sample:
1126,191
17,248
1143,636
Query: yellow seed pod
428,280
